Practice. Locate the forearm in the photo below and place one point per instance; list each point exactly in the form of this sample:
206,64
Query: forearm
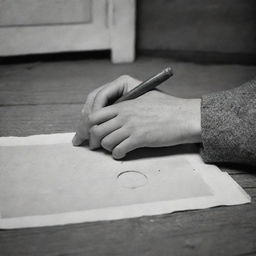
228,122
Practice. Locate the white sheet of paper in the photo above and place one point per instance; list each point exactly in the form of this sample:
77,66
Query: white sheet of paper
44,180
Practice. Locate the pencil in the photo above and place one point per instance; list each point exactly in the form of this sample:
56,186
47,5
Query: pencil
147,85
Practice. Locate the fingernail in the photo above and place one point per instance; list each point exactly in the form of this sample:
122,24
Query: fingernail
92,146
93,142
118,156
76,141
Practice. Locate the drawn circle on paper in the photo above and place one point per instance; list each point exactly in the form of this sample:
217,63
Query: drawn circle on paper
132,179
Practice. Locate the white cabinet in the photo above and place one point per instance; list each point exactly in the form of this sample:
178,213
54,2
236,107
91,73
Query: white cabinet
48,26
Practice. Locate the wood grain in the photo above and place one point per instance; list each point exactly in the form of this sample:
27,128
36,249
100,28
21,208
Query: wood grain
71,82
37,119
217,231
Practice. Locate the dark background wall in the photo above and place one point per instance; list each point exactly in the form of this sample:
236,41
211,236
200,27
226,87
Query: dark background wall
222,28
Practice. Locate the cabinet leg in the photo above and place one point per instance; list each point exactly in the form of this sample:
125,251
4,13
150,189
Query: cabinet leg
122,30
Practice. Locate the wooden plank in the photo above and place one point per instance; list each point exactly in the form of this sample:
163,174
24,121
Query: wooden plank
71,82
28,120
251,192
245,180
217,231
47,12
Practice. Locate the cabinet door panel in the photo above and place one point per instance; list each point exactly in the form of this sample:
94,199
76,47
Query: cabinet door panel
29,39
51,26
44,12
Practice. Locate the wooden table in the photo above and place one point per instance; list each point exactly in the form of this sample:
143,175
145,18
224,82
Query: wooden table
47,97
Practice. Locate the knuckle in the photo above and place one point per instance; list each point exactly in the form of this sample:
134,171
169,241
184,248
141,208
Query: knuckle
136,134
145,136
133,140
85,111
95,131
140,133
152,92
125,77
129,126
100,94
89,96
131,122
136,139
105,143
85,108
90,118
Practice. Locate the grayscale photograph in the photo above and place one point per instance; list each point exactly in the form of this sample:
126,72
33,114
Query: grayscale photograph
127,127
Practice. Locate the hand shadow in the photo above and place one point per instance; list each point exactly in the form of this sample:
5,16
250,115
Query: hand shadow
143,153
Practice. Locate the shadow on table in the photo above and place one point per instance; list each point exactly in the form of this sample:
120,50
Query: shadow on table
143,153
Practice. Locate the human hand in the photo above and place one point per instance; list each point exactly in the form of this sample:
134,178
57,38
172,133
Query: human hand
154,119
98,99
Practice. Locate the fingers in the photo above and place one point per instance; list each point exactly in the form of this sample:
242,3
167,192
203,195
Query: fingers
83,125
98,100
103,115
78,139
98,132
113,139
81,132
113,91
91,98
124,147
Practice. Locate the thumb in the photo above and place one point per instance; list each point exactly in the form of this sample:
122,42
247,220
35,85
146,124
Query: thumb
82,133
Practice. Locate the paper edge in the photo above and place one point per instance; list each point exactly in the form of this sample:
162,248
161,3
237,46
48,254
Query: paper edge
113,213
208,172
42,139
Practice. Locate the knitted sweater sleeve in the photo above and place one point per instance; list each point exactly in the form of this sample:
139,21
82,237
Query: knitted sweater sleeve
228,121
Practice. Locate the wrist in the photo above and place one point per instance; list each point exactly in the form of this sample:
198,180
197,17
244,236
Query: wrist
194,121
